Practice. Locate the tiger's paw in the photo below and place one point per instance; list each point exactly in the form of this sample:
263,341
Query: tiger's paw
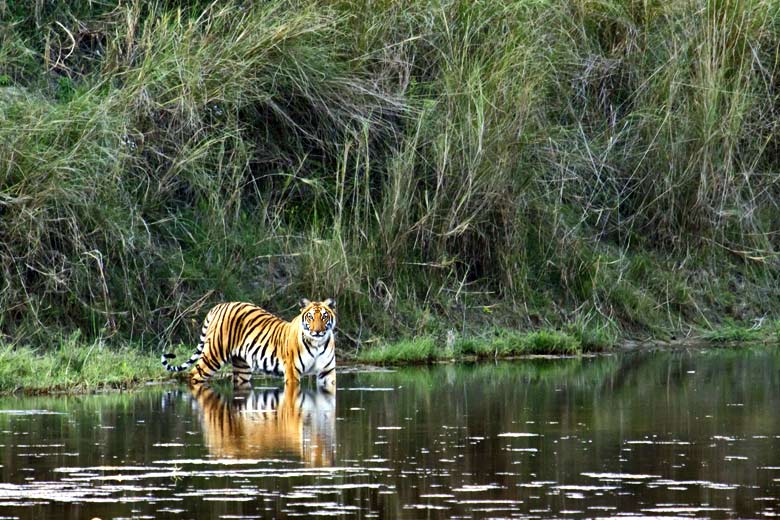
327,384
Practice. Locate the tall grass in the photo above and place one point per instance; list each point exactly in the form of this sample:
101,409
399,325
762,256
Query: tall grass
432,165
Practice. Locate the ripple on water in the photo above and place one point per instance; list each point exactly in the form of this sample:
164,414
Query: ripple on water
620,476
410,455
476,488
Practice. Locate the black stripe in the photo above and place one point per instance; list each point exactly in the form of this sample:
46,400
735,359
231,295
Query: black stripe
306,345
251,314
274,339
265,342
257,334
267,326
323,375
212,364
300,360
215,345
250,328
332,358
233,322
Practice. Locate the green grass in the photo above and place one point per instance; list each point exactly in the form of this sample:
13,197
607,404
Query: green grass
731,332
434,165
417,350
76,366
502,344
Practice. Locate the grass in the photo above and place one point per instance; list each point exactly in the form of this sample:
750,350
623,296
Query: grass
502,344
446,164
737,333
75,365
416,350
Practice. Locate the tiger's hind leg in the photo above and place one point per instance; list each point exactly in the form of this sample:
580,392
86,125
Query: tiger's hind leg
201,373
242,372
204,368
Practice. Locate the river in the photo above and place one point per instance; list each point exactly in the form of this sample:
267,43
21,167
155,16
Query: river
644,434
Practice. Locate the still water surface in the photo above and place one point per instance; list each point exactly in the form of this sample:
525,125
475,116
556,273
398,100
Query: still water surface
692,433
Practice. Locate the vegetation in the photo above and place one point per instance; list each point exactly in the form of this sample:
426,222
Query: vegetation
75,365
498,344
730,332
602,168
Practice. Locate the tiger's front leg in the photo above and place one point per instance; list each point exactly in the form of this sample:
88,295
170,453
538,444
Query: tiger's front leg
292,376
326,368
327,381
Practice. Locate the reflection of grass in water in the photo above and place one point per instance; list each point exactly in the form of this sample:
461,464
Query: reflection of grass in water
580,372
643,386
95,403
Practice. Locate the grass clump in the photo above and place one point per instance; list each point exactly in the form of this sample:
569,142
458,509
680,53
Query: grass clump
731,332
417,350
75,365
502,344
547,342
506,343
594,334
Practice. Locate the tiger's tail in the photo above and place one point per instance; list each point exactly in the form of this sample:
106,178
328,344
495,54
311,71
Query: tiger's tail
195,356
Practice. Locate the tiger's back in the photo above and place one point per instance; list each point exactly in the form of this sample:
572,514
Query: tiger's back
248,336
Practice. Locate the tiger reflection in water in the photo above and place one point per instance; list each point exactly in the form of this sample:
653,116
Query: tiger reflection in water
254,423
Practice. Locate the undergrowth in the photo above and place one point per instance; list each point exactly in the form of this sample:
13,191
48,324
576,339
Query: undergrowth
432,165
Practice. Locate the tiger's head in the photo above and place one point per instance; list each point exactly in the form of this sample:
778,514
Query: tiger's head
318,319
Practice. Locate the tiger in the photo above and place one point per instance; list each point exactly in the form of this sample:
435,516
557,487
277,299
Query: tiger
269,423
254,340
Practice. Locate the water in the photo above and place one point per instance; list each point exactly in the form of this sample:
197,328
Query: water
642,435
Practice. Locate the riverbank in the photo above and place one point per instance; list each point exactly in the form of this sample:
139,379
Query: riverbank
75,366
504,344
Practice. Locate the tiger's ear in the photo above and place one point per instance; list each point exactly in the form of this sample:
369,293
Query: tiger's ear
305,302
330,302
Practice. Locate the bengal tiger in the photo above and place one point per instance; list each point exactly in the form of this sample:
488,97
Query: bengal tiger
273,423
254,340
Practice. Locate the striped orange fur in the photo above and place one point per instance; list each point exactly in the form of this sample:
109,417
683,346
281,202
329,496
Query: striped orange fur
254,340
